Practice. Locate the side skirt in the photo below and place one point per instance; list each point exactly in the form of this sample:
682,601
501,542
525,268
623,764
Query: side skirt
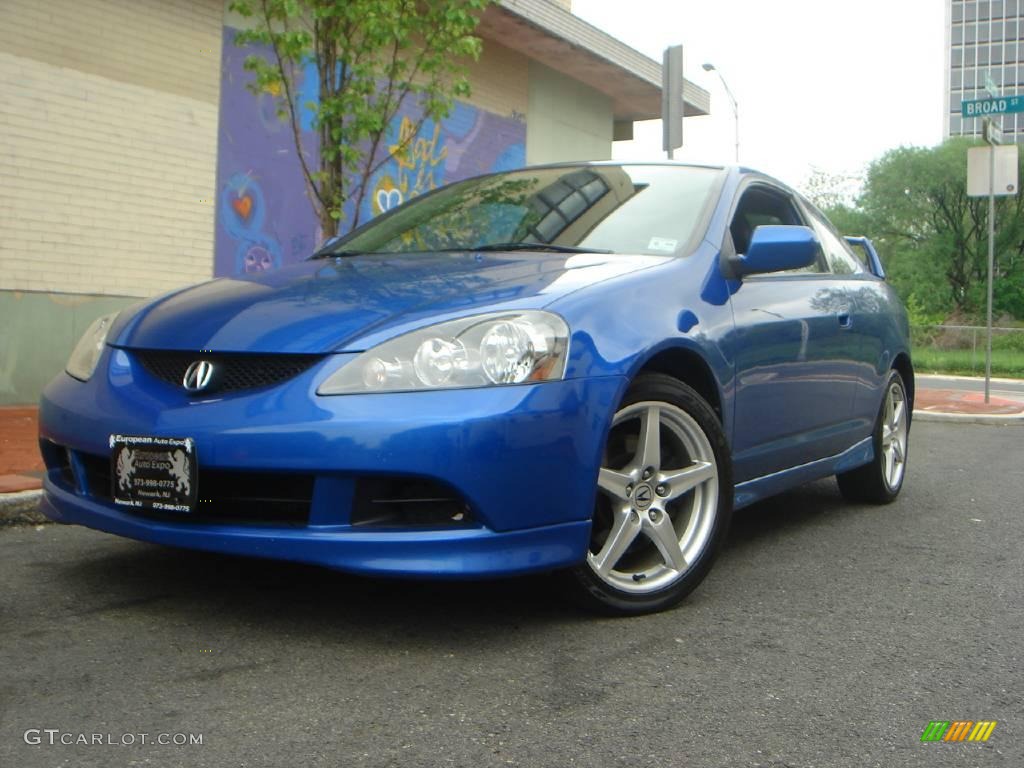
748,492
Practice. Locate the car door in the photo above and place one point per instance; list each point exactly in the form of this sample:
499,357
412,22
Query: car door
870,311
793,351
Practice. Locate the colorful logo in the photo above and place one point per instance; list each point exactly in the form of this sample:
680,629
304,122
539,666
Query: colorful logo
958,730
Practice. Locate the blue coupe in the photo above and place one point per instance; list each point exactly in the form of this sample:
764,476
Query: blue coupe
579,369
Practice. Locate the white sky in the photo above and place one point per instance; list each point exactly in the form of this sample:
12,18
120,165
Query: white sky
829,83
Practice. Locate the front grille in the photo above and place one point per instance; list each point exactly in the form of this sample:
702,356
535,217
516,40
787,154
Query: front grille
232,372
247,498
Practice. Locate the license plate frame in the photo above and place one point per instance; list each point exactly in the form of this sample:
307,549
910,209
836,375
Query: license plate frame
154,473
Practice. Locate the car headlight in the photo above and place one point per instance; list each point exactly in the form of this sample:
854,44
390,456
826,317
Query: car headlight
86,354
480,351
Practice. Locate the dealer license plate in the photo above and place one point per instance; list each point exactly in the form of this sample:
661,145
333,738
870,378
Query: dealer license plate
154,472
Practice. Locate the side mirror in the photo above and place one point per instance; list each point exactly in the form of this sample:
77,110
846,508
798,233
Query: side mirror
776,248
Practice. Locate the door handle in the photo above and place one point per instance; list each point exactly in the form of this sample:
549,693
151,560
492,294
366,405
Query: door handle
845,320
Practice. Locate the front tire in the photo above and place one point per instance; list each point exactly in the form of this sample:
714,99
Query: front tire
880,481
664,501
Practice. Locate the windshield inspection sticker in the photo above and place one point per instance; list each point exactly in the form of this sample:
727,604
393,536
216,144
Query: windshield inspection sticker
662,244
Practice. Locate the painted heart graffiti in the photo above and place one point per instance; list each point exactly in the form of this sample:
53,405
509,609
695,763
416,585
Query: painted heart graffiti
243,206
388,199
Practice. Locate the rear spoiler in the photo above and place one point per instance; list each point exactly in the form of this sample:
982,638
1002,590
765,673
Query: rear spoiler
873,262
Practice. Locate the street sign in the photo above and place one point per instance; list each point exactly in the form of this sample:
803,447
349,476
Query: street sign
672,99
991,88
980,164
991,171
991,130
1004,105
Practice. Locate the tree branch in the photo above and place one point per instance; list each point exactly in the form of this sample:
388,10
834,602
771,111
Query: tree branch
296,125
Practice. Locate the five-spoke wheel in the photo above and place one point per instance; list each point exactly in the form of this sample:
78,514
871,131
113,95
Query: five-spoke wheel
879,481
894,434
663,503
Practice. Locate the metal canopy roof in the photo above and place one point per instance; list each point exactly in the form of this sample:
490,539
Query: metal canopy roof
543,31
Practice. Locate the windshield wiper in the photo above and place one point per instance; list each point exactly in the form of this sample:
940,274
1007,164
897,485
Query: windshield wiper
335,254
517,246
527,246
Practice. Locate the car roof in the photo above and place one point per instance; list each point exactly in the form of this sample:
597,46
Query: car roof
743,170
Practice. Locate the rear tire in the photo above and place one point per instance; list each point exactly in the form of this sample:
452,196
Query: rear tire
664,502
880,481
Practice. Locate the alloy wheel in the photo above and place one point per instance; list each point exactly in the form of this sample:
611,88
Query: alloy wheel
658,498
894,435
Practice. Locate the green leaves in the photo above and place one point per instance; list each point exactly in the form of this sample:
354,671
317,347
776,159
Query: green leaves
375,59
932,237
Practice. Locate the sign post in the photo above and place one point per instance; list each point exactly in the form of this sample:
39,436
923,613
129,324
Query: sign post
672,99
991,171
991,265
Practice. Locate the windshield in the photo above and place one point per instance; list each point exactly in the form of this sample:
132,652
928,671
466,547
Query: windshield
635,209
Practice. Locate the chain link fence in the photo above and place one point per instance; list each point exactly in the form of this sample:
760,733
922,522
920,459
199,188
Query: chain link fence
960,349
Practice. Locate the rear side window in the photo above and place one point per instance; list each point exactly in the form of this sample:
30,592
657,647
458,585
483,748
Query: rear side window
838,256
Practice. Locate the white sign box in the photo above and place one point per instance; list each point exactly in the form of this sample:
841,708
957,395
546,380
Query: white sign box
979,161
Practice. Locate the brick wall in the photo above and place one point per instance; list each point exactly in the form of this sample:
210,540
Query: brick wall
108,144
500,80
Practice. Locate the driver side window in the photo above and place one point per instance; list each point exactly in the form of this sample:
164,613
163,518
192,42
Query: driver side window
762,205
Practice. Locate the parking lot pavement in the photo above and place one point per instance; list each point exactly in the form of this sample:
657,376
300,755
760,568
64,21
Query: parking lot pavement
827,635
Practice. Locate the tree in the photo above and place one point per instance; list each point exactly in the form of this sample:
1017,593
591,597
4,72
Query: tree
933,237
374,59
829,191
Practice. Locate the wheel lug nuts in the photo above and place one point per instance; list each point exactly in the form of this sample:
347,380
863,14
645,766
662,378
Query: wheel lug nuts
629,490
661,490
653,514
634,517
647,474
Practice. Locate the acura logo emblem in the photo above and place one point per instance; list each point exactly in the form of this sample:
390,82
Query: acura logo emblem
643,496
198,376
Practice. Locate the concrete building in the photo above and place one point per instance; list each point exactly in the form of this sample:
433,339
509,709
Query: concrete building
133,161
985,45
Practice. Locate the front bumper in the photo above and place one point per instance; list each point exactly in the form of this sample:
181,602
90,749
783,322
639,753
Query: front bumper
524,459
457,553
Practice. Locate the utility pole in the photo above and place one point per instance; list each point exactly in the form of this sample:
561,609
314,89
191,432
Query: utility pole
709,67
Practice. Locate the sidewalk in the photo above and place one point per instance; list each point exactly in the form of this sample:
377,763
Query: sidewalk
21,468
952,402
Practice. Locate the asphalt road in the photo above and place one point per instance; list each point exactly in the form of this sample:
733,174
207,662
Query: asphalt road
827,635
1006,388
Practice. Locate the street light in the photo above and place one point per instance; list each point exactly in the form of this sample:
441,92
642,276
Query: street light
709,67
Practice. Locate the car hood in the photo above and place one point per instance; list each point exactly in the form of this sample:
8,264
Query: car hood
346,304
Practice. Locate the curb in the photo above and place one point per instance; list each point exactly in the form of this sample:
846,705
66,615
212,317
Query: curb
953,377
21,509
989,419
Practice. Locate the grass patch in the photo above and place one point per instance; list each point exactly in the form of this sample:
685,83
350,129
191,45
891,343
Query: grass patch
963,362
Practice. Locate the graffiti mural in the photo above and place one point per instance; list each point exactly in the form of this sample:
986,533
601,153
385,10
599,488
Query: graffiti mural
241,212
264,219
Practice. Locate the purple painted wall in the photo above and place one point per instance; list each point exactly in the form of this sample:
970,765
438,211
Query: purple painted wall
264,218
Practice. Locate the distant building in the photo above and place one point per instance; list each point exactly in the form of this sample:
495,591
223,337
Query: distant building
133,160
984,44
